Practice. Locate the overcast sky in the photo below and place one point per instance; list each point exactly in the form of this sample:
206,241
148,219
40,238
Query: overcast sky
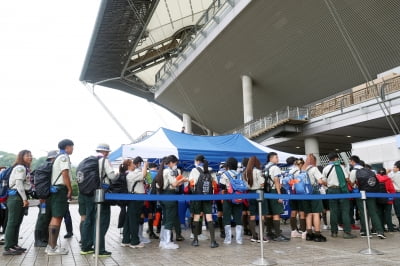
43,46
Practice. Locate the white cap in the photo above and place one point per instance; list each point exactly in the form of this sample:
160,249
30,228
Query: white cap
103,147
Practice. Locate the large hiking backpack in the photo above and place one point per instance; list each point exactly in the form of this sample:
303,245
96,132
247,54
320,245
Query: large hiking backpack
366,180
236,185
88,175
4,183
42,180
303,184
204,183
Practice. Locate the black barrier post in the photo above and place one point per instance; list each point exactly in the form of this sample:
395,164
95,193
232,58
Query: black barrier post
261,260
369,250
98,199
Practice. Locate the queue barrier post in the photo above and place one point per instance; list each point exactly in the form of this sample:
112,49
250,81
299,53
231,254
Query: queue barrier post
98,199
369,250
262,260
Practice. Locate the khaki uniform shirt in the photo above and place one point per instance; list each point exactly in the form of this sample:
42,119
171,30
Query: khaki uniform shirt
332,178
20,180
135,176
314,174
108,172
61,163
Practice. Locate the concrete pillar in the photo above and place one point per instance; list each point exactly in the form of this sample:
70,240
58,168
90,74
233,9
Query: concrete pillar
187,123
311,146
247,87
209,132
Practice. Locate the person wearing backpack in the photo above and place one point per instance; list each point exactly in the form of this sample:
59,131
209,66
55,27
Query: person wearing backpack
337,179
60,192
385,207
18,186
275,207
44,216
371,204
255,180
105,174
313,208
296,206
230,208
202,181
3,213
168,181
153,204
135,185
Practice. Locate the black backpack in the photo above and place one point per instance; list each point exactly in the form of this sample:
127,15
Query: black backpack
42,180
204,183
88,176
268,182
366,180
382,189
119,185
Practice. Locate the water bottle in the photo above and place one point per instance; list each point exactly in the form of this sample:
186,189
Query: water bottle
43,208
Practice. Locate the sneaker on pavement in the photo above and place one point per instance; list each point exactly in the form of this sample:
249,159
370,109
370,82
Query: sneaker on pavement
310,237
144,240
11,252
56,251
140,245
86,252
348,236
295,234
19,248
381,236
355,227
281,238
125,245
340,228
265,240
170,245
304,235
319,238
104,254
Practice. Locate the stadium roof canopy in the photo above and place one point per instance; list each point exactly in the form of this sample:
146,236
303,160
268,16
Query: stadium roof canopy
132,37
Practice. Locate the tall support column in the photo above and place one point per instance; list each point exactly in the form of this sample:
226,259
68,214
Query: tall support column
247,87
311,146
187,123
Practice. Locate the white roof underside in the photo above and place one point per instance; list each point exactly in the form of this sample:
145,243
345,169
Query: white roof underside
168,18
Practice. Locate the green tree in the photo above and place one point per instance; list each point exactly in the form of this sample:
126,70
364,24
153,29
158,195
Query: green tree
7,159
37,162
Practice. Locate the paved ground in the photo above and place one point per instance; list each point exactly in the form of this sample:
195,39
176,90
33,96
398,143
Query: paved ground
336,251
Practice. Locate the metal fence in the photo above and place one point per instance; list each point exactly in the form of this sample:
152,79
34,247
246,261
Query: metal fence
354,96
208,15
272,120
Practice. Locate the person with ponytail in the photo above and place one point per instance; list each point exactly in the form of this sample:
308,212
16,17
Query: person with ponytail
313,208
168,181
255,180
19,184
202,181
135,185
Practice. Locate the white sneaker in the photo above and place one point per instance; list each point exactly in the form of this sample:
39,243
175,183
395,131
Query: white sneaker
325,227
140,245
170,245
340,228
227,242
191,236
144,240
304,235
295,234
125,245
56,251
202,237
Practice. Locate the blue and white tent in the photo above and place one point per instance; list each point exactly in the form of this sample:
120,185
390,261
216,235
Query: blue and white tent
216,149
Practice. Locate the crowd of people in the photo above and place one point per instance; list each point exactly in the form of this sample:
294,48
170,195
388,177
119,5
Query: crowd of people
136,175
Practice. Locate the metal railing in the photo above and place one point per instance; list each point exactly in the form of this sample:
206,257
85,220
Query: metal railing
330,104
207,16
256,127
354,96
